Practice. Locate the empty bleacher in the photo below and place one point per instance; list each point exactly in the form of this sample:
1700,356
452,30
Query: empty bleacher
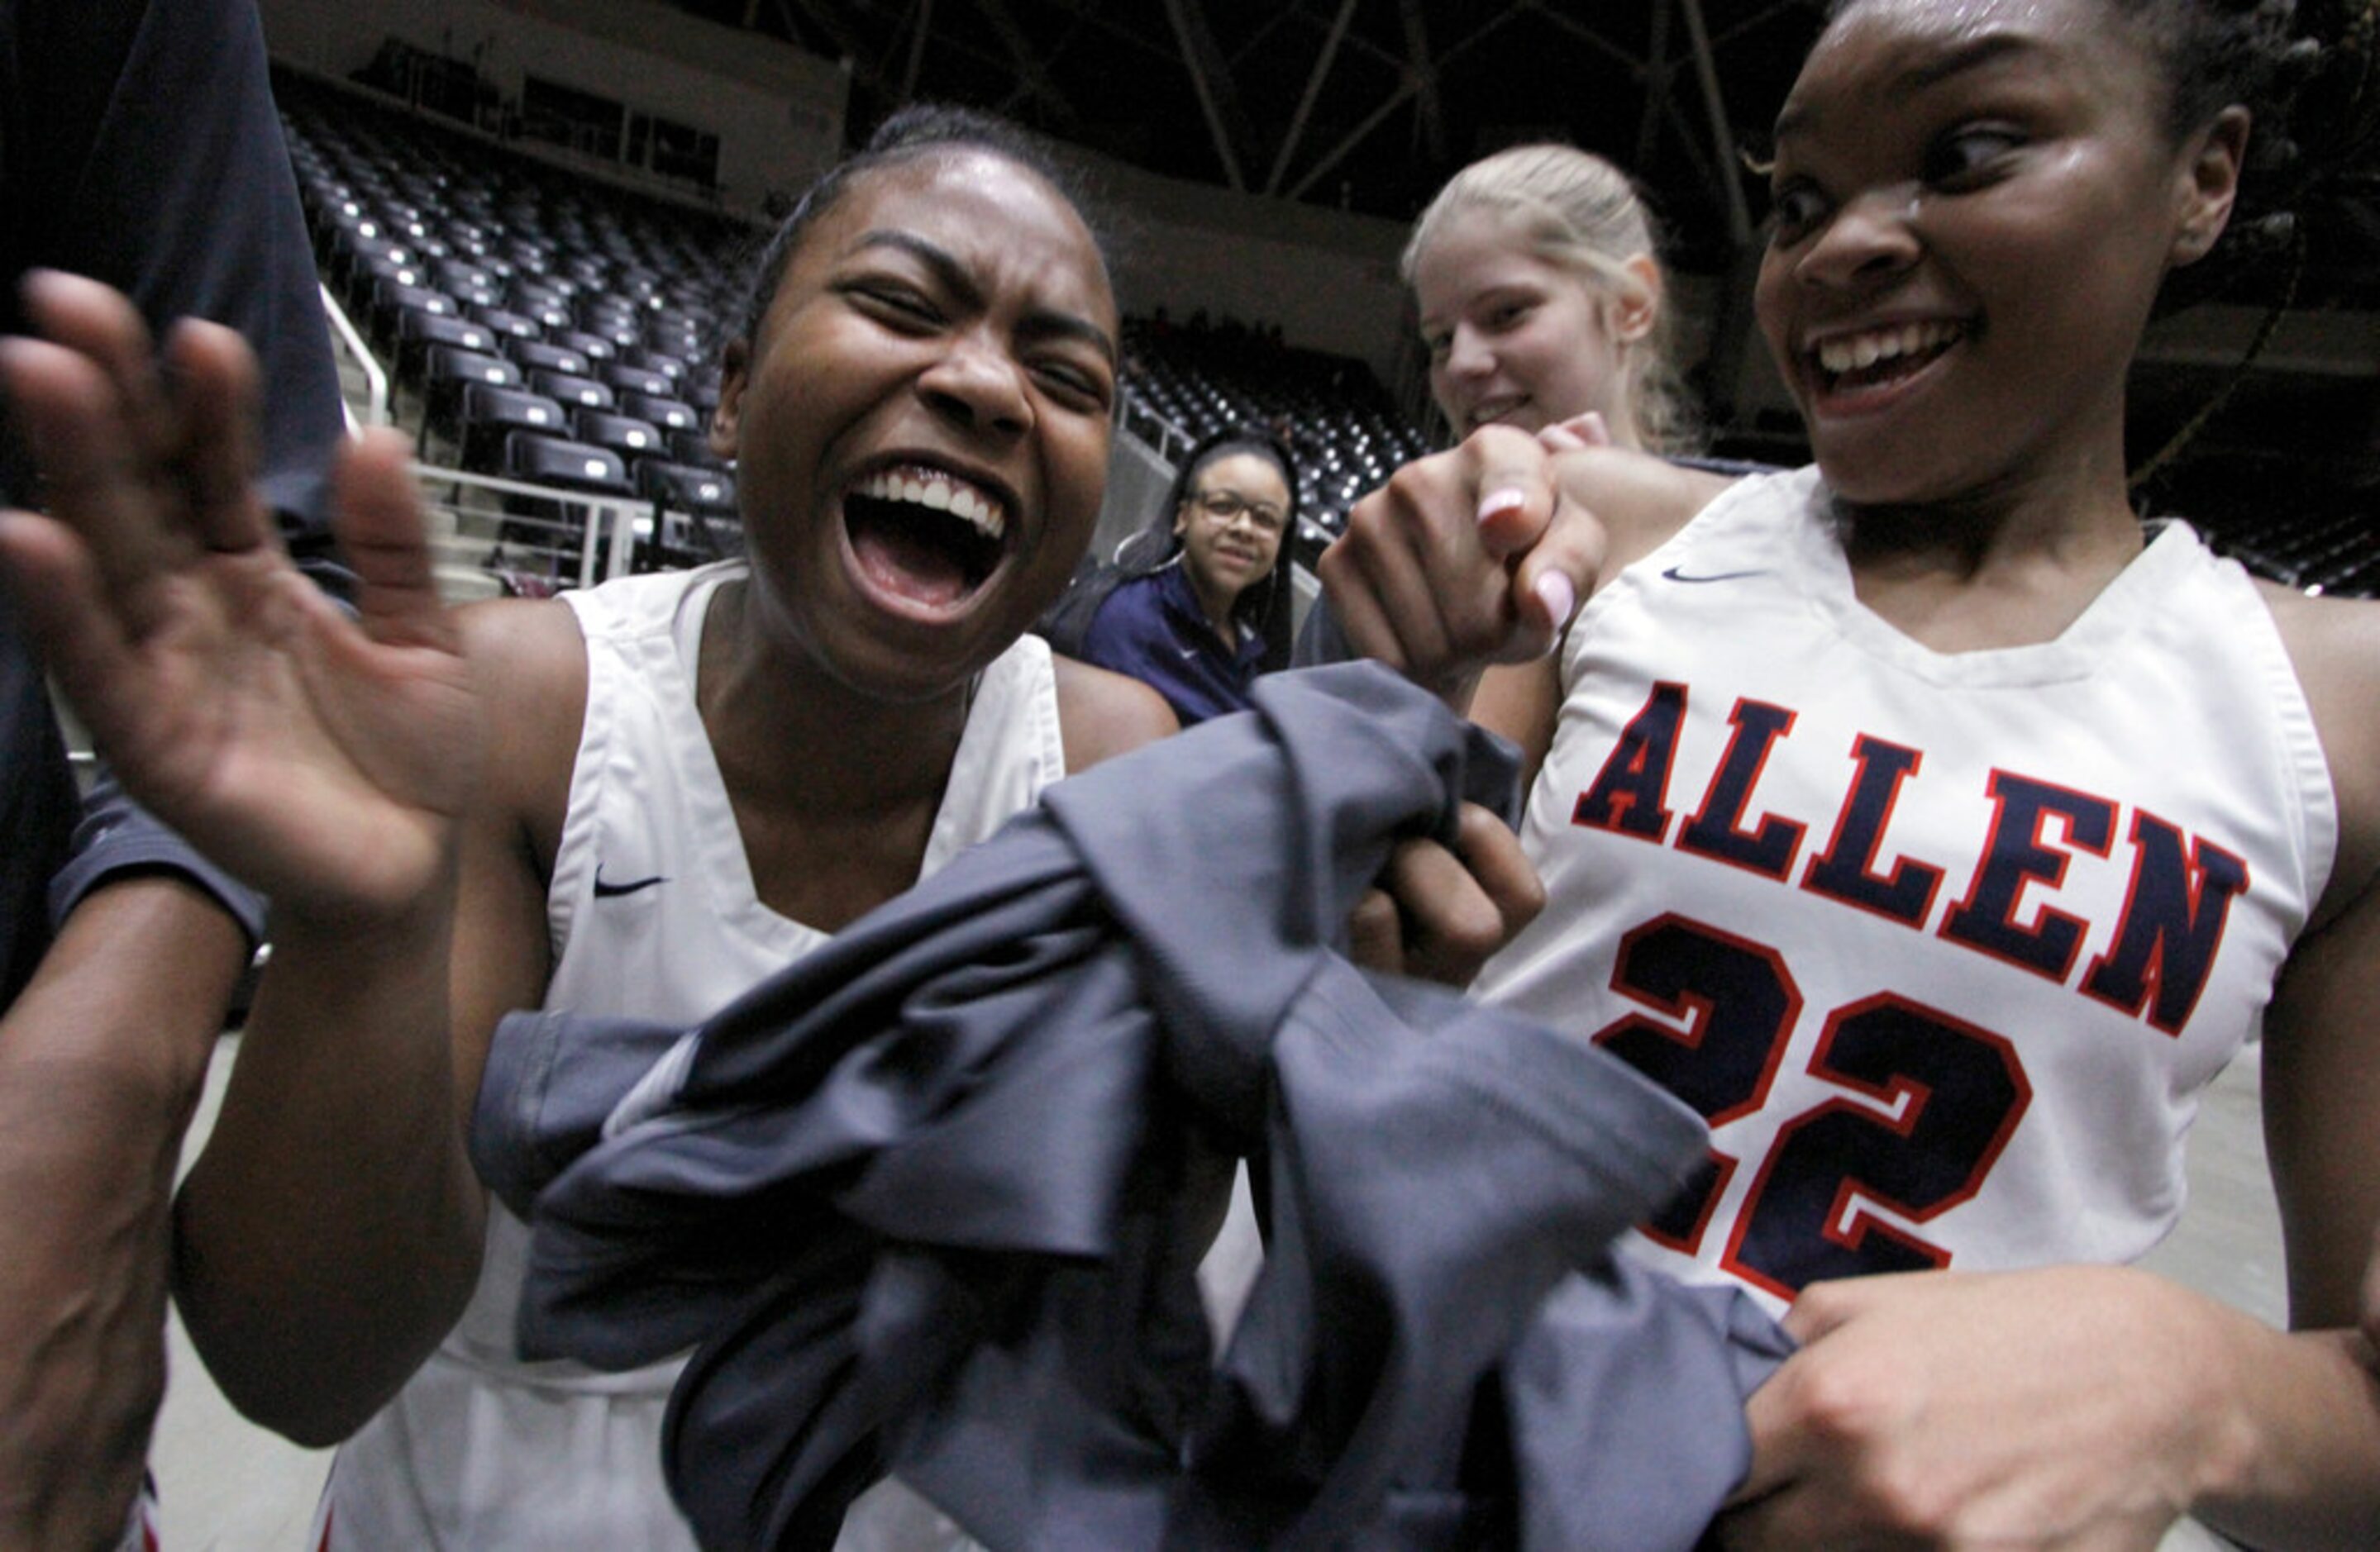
2282,517
551,343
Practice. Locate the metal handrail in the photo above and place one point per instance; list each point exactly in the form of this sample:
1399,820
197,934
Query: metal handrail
1130,404
610,530
375,379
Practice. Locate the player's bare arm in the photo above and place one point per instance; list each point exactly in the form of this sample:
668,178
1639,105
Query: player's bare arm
308,1303
1102,715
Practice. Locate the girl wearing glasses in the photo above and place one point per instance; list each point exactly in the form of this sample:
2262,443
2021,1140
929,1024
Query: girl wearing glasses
1203,605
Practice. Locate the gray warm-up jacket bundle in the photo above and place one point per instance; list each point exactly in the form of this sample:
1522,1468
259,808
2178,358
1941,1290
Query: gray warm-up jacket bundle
917,1202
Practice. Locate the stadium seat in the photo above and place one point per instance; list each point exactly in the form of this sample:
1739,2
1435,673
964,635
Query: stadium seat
391,299
628,379
595,347
365,269
566,466
487,416
585,392
535,295
694,447
662,363
675,414
542,356
503,321
466,282
450,367
630,438
684,488
417,332
695,517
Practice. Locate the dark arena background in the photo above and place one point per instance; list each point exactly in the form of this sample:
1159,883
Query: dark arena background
532,218
1264,159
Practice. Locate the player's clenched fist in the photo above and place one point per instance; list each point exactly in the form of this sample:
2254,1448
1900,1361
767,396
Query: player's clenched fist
1471,557
2002,1410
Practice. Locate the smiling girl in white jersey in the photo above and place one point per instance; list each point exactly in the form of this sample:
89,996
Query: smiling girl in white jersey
1937,828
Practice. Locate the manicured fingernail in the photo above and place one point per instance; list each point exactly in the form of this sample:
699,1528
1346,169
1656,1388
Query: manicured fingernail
1495,503
1555,592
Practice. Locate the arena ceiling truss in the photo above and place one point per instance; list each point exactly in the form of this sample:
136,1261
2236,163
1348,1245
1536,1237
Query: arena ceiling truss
1366,104
1370,104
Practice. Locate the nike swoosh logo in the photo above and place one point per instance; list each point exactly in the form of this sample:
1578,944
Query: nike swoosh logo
607,891
1189,651
1674,575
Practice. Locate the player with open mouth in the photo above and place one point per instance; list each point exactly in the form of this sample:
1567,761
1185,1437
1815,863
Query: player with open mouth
641,799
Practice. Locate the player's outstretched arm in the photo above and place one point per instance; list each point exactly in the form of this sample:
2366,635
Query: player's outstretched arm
2066,1407
326,761
1481,555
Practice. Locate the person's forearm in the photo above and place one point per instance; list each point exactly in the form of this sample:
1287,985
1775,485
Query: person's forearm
2306,1472
101,1061
329,1235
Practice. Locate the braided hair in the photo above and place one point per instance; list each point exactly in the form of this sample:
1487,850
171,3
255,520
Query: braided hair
2303,69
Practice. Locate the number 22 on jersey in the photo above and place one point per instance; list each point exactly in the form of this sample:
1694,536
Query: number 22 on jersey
1929,1102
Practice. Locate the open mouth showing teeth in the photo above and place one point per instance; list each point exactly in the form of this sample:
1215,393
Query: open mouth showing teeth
924,533
1875,356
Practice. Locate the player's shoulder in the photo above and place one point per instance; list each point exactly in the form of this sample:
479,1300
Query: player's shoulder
2334,643
1102,715
528,665
2334,646
530,647
1642,499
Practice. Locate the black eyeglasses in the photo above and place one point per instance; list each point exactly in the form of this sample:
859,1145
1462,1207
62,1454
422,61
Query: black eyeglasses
1224,505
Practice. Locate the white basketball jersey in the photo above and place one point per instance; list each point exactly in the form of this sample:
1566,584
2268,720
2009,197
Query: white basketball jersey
1944,946
653,915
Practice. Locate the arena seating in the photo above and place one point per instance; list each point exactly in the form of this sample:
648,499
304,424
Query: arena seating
537,325
510,299
2269,514
504,293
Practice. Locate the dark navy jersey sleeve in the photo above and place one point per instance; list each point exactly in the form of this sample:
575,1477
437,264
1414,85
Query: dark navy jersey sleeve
37,810
117,836
140,145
